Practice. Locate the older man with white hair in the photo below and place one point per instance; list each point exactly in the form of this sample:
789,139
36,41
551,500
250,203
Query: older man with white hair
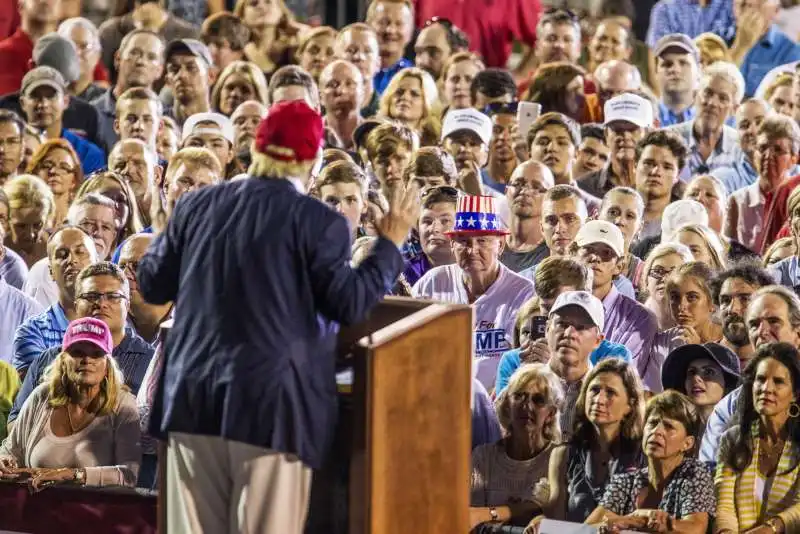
84,35
614,78
480,279
711,143
525,246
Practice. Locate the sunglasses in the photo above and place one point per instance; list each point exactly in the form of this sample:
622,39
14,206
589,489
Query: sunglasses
494,108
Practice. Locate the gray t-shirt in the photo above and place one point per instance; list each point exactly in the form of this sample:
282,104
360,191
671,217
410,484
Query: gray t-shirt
520,261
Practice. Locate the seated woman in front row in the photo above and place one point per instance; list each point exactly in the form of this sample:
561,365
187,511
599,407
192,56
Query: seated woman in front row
758,487
81,425
675,492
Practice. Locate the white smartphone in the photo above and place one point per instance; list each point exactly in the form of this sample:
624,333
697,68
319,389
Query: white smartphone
527,113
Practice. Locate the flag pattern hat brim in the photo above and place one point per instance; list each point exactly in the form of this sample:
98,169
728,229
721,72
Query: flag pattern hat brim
476,216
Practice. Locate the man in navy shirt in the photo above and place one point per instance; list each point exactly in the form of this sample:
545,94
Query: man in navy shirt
44,98
248,390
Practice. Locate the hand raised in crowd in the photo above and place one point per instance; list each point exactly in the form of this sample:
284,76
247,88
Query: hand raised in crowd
519,143
535,351
403,214
469,179
752,25
689,335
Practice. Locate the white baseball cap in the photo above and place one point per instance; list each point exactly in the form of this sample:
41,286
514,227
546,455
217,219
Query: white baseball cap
601,232
225,126
585,300
681,213
468,119
630,108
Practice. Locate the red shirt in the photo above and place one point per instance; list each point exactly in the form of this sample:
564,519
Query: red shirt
777,215
15,56
100,73
492,25
9,18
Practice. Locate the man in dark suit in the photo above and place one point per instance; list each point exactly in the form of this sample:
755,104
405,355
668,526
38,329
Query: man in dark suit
258,272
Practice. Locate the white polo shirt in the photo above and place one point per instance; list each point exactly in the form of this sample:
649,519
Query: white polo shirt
495,311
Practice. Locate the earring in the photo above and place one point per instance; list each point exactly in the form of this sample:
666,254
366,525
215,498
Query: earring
794,410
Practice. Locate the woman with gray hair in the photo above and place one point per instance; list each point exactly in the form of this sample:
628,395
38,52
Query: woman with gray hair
505,473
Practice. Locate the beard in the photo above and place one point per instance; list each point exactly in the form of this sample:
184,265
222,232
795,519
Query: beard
735,331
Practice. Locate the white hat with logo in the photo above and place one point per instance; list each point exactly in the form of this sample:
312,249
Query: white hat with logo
631,108
601,232
583,299
468,119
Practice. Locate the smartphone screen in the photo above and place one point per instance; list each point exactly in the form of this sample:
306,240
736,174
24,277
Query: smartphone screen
537,325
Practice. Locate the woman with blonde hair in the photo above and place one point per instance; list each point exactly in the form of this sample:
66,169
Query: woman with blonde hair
239,82
606,440
705,245
659,265
410,99
315,51
505,473
712,49
31,206
456,80
114,187
58,165
779,94
274,32
81,425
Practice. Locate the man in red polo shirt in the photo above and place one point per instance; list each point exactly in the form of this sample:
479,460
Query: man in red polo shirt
492,25
37,18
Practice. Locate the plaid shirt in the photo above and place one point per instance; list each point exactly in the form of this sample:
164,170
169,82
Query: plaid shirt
725,154
692,19
37,334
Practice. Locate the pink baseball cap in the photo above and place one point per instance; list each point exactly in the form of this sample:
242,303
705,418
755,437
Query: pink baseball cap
89,330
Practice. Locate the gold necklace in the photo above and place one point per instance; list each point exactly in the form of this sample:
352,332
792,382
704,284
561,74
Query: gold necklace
72,426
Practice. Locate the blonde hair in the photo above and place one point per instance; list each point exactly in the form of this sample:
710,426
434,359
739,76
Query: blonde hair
430,95
533,374
460,57
29,191
711,240
288,16
774,247
373,6
58,380
250,71
784,79
659,251
94,182
312,34
712,48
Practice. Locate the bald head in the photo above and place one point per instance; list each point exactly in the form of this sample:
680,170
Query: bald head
534,169
246,119
341,86
616,77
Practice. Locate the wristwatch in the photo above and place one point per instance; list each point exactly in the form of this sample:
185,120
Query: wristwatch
773,524
494,515
80,477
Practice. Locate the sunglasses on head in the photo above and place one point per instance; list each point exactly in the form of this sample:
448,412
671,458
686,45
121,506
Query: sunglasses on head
501,107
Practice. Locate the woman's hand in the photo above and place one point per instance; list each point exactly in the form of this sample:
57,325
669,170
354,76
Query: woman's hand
8,465
689,335
469,179
535,352
43,478
657,520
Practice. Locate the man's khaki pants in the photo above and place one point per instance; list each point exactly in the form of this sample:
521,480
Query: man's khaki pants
216,486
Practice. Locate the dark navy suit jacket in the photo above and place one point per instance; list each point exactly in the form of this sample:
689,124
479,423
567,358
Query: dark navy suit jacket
258,271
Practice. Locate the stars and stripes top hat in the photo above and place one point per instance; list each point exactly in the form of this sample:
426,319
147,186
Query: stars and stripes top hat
476,216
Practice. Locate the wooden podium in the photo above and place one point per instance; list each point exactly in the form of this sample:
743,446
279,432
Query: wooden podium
411,419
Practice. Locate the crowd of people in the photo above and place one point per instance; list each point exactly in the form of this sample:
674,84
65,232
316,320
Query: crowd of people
621,211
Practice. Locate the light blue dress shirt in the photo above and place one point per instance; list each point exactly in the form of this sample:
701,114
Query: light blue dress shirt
725,154
15,308
718,423
38,333
773,50
690,18
786,272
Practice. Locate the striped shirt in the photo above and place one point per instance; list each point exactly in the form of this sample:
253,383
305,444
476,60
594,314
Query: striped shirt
37,334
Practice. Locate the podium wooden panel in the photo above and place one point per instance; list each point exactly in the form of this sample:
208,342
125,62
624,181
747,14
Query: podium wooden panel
410,459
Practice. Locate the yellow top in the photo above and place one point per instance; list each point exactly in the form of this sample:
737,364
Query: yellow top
9,386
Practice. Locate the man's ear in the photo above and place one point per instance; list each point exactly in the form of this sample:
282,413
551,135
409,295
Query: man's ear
158,173
618,266
116,126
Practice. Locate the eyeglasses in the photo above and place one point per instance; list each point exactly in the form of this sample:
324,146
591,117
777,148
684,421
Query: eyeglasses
494,108
113,297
